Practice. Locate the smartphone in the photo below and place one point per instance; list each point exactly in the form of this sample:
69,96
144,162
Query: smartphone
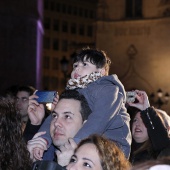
130,96
45,96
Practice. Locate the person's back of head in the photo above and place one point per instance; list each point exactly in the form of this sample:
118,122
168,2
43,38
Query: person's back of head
75,95
95,56
12,146
162,164
165,118
10,93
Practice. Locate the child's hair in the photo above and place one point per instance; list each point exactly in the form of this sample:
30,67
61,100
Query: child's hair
94,56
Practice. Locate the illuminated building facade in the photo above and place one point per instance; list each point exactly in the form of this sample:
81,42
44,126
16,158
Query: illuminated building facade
69,25
136,35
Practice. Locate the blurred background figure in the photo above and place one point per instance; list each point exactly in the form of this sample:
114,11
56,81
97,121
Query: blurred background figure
22,98
13,151
159,164
10,93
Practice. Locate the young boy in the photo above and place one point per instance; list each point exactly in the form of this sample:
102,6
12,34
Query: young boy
105,96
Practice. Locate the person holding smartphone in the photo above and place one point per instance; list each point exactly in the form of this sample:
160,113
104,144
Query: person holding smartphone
22,100
68,116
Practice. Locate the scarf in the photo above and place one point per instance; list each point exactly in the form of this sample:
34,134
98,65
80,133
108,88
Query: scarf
82,82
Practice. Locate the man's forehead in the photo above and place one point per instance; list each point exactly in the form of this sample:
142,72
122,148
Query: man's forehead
68,104
22,94
63,100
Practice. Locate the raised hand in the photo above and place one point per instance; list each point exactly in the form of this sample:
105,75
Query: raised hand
36,111
143,101
36,146
66,151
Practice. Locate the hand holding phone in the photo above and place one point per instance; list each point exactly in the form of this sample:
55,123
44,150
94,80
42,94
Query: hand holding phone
45,96
130,96
141,99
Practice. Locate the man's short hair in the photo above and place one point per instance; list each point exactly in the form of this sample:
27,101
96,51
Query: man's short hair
29,89
75,95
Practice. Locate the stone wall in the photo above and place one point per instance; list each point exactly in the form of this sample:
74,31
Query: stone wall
140,51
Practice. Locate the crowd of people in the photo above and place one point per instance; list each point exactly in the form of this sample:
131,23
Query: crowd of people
91,124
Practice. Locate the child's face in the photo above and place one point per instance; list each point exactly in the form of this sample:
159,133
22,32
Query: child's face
81,69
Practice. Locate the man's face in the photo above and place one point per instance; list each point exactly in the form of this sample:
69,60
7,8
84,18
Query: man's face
22,99
66,122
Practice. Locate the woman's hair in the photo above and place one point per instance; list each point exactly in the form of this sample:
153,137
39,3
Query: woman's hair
111,157
96,57
13,150
150,163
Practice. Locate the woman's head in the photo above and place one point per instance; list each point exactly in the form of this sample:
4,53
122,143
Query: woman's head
98,153
139,131
88,61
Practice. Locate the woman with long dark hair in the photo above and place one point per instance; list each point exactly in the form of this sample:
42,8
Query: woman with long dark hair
13,150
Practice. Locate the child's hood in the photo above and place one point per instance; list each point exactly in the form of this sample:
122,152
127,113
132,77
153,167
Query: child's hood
115,80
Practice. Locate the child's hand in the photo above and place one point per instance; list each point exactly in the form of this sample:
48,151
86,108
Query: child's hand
36,146
36,111
65,153
143,102
55,101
